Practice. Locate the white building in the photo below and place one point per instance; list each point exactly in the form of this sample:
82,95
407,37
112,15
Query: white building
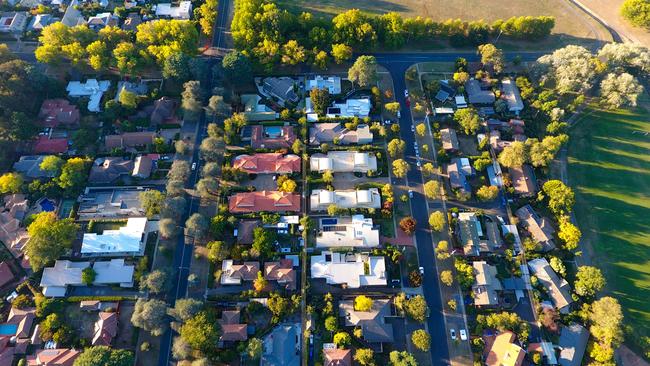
125,241
182,11
321,199
343,232
55,280
343,162
13,22
512,96
91,88
351,108
331,83
353,269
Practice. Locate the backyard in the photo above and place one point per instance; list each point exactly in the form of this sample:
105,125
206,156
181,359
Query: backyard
609,168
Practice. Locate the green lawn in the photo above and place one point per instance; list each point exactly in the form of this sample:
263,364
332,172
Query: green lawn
609,168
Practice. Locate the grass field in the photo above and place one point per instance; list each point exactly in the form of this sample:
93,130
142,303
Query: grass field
609,168
570,23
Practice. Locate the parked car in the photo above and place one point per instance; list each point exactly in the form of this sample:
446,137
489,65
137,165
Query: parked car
463,334
406,93
422,271
399,115
410,193
412,128
452,332
193,166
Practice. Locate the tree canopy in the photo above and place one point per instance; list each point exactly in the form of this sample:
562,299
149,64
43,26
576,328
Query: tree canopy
49,238
104,356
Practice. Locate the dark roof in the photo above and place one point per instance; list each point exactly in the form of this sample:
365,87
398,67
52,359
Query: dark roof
5,274
245,230
164,109
573,342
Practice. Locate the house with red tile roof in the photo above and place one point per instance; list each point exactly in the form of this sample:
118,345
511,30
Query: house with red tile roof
24,319
234,274
57,113
282,272
53,357
231,328
272,137
6,352
337,357
267,163
261,201
105,329
12,233
47,145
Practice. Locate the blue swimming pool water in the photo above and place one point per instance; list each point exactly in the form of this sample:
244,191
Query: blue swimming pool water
47,205
273,131
328,221
8,329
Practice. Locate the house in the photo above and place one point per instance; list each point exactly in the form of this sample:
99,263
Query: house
373,324
498,144
268,163
460,101
517,126
352,269
6,275
331,83
245,229
105,329
40,21
264,201
343,162
13,22
92,89
336,133
352,107
572,344
142,167
504,352
128,240
23,319
131,22
55,280
337,357
474,239
58,112
167,10
282,346
282,272
510,93
347,232
255,110
47,145
486,285
523,180
321,199
7,352
108,170
495,174
539,227
102,20
279,89
458,171
129,140
96,305
12,234
164,111
53,357
477,94
232,330
558,289
72,16
234,274
449,139
30,167
114,202
272,137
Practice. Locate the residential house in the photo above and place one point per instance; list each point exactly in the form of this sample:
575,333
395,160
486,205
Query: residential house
331,83
460,102
336,133
232,330
234,274
352,107
245,230
129,140
504,351
449,139
13,22
373,324
58,112
264,201
321,199
55,280
46,145
116,202
30,167
486,285
523,180
337,357
167,10
473,238
131,22
72,16
477,93
142,167
352,269
517,126
40,21
495,174
459,170
279,89
282,346
128,240
343,162
12,234
272,137
539,227
558,288
6,275
110,169
164,111
255,110
105,329
498,144
92,89
23,319
53,357
96,305
572,344
102,20
268,163
347,232
510,93
281,272
7,352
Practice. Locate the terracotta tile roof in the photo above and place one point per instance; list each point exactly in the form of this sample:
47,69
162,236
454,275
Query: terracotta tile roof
105,329
247,271
268,163
523,180
46,145
282,272
338,357
6,353
56,112
232,329
5,274
24,318
53,357
259,138
504,352
272,201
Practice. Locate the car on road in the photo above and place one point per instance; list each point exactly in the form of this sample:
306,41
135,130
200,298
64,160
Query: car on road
418,163
193,166
412,128
463,334
422,271
399,115
406,93
408,102
452,332
410,193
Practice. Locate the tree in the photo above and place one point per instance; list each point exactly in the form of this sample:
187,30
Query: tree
207,187
504,321
51,164
421,340
255,348
168,228
447,278
104,356
490,55
320,100
217,250
216,107
619,90
128,99
464,273
392,107
180,170
432,189
402,358
421,129
396,147
342,340
363,71
569,234
513,156
11,183
560,197
191,99
331,323
22,301
293,53
197,225
152,202
182,147
156,282
428,169
362,303
181,350
558,266
321,59
260,283
541,153
408,225
416,308
279,307
606,318
636,12
150,315
176,67
88,276
263,242
73,174
285,184
207,16
460,78
468,120
49,239
202,331
487,193
437,221
364,356
237,66
589,281
571,68
185,309
442,250
210,149
400,168
341,52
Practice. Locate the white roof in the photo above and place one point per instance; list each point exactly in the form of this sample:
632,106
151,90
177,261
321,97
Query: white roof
320,199
91,88
331,83
125,240
351,108
356,231
344,161
339,268
66,273
113,271
512,96
182,11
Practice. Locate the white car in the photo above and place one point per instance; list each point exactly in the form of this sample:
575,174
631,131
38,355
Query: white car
412,128
418,163
463,334
399,115
410,193
193,166
452,332
406,93
422,271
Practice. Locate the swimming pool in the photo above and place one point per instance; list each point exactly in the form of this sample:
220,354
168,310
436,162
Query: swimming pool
47,205
331,221
273,132
8,329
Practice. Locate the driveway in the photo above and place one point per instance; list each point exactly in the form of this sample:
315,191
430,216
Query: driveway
350,181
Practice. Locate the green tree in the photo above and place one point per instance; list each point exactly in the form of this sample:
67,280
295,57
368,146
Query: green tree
416,308
217,250
11,183
73,174
589,281
447,278
490,55
152,202
237,66
263,242
128,99
320,99
400,168
342,339
51,164
513,156
201,332
104,356
197,225
341,52
176,67
255,348
402,358
421,340
364,71
22,301
88,276
49,239
185,309
487,193
560,197
362,303
468,120
396,147
464,273
432,189
331,323
437,221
